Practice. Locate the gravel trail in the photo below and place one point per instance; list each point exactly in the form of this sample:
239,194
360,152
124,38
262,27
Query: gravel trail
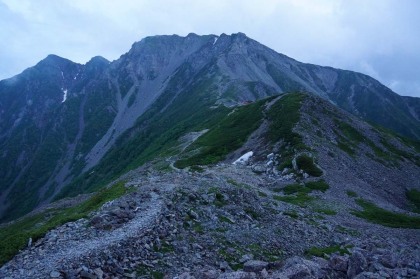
70,246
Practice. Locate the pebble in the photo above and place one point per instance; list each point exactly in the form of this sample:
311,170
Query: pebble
55,274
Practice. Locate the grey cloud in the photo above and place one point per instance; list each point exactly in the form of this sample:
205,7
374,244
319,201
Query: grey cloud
376,37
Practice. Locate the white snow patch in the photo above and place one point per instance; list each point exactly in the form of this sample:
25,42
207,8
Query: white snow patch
215,40
244,158
62,74
65,95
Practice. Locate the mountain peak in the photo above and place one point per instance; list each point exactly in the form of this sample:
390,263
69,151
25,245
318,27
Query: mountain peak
98,59
239,35
54,59
97,63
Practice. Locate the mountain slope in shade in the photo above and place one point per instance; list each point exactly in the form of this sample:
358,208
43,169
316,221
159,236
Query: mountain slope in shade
319,192
59,119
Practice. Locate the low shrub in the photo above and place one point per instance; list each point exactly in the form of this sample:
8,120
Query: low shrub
319,185
306,163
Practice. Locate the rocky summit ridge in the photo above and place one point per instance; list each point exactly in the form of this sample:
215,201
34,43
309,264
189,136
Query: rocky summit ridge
63,123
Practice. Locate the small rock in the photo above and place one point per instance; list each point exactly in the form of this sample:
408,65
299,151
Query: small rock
224,266
185,275
339,263
412,272
258,169
246,258
296,271
55,274
193,214
238,275
96,220
264,273
388,260
197,246
357,264
209,274
87,275
130,275
255,266
98,272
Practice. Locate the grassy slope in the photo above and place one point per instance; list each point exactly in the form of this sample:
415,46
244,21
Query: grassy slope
235,128
227,136
283,116
378,215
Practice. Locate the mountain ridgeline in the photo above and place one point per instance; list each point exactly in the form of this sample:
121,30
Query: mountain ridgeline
67,128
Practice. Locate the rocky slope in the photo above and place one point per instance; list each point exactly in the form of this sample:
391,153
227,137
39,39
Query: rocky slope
276,215
223,223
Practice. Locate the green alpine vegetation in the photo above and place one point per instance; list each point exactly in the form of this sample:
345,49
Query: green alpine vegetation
306,163
378,215
283,116
297,194
229,135
413,196
326,251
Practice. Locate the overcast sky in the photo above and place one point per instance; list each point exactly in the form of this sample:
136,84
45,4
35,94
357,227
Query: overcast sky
380,38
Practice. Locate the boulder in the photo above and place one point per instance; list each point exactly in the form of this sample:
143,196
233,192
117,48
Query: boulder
339,263
389,260
255,266
357,264
258,169
246,258
185,275
238,275
296,271
87,275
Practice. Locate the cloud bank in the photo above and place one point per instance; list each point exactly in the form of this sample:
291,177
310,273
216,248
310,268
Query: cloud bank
376,37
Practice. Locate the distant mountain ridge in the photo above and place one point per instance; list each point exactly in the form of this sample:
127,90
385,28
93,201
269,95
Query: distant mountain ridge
59,119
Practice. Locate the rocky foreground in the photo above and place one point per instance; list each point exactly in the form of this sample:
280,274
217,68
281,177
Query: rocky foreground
222,223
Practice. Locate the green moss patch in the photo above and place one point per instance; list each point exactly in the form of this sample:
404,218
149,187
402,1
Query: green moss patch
326,251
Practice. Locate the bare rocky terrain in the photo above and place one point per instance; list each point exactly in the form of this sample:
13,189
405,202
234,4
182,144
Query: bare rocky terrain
221,223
